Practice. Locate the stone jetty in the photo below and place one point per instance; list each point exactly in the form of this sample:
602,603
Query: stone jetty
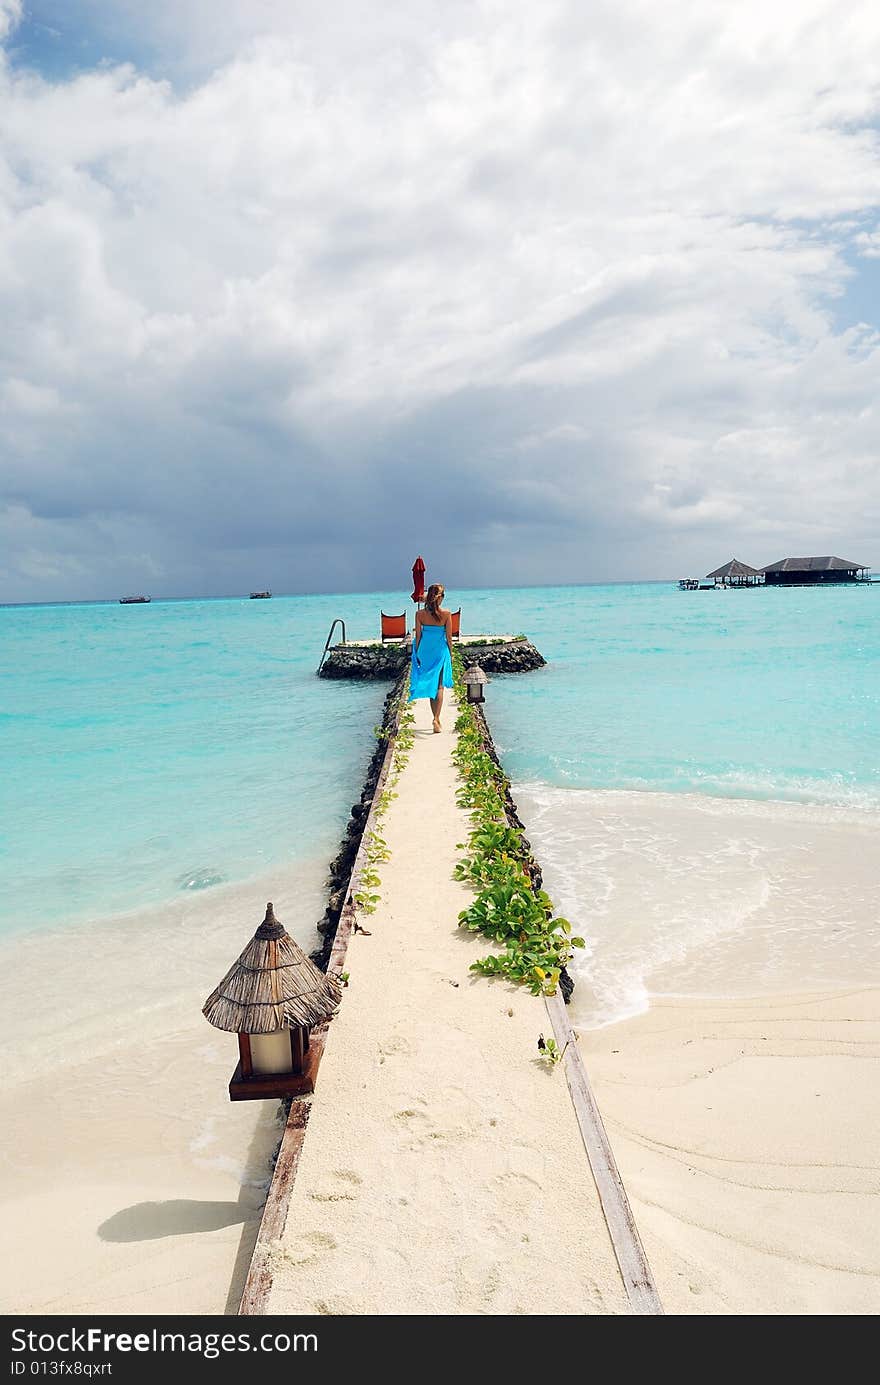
494,654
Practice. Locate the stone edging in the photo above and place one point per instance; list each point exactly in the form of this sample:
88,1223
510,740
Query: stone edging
342,866
380,661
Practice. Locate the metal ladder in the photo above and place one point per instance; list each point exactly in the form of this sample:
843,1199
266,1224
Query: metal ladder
337,621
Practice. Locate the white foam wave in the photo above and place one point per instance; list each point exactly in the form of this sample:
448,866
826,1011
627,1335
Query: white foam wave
684,893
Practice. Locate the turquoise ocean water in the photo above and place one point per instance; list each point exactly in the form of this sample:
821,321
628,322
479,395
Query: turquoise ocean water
150,750
757,694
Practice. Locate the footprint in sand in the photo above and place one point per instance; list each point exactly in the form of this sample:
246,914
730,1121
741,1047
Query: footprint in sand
309,1247
414,1124
479,1274
411,1118
457,1118
516,1192
339,1306
339,1185
528,1162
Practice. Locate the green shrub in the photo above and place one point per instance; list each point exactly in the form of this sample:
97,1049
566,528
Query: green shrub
506,908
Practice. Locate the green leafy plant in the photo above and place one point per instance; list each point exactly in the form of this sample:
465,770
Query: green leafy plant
400,716
507,908
377,848
549,1051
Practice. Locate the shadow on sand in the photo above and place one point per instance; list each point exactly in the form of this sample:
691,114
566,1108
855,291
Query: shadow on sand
151,1221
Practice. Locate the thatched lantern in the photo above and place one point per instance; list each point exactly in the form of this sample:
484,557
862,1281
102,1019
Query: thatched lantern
475,679
271,998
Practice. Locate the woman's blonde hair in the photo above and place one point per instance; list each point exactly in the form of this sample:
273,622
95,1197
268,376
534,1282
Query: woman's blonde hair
436,593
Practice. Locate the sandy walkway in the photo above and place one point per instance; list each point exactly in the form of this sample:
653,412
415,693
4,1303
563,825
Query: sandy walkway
442,1171
748,1136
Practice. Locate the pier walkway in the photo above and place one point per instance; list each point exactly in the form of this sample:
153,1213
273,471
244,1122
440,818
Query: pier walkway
442,1170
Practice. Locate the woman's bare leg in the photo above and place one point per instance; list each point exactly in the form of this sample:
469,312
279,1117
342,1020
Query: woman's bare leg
437,706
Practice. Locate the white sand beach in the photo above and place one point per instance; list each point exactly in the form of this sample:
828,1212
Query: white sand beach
747,1133
130,1183
442,1170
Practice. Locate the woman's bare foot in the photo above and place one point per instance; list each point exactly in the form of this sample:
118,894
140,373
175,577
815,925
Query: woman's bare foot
437,726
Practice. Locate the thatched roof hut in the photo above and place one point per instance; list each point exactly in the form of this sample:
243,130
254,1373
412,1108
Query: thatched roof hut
733,570
824,564
804,572
272,986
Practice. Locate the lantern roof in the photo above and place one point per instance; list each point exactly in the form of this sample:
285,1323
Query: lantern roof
273,985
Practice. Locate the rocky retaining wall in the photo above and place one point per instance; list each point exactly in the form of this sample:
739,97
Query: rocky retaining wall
341,866
377,661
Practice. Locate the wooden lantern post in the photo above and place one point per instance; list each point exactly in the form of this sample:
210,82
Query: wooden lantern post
272,997
475,679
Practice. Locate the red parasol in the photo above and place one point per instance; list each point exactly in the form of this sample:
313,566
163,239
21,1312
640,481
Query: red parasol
418,574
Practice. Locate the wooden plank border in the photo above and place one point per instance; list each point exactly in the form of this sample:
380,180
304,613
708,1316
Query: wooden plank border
258,1283
628,1249
631,1259
259,1278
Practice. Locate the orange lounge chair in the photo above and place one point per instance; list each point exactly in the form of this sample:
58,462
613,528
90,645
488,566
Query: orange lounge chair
393,627
455,623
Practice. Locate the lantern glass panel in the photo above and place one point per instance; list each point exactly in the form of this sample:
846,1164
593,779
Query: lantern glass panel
271,1052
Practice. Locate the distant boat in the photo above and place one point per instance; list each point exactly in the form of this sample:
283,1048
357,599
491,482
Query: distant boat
260,596
133,600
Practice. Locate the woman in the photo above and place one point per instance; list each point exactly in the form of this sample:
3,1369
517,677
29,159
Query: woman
432,652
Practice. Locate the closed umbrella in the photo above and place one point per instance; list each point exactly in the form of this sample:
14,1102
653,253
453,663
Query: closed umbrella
418,575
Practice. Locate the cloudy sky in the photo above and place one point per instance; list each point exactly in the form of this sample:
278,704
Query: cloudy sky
560,292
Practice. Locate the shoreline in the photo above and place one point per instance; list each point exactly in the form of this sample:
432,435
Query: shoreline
686,896
656,999
99,966
529,790
866,811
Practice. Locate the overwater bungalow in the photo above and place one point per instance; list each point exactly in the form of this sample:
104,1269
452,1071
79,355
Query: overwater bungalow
736,574
809,572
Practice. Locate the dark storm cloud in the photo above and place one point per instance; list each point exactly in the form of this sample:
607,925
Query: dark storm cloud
533,294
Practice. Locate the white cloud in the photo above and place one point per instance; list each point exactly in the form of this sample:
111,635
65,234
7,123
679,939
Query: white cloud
571,269
21,397
10,16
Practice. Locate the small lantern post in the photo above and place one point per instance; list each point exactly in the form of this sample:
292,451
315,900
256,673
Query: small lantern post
272,998
475,679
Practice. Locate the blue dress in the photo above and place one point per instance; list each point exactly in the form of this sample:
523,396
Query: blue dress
431,664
